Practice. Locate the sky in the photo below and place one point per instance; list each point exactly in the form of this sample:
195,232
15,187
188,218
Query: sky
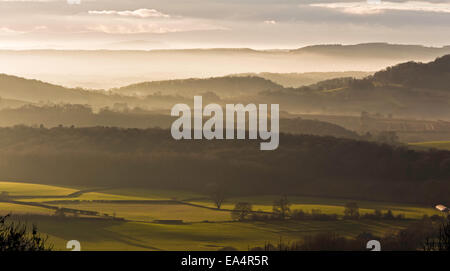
258,24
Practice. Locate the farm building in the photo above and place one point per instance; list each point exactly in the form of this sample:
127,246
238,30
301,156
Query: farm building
442,208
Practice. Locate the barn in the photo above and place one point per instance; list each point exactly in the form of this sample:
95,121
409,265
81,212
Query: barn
442,208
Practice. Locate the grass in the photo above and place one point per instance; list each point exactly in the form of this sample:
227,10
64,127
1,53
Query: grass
10,208
327,205
155,194
442,145
86,197
150,212
28,189
111,235
106,234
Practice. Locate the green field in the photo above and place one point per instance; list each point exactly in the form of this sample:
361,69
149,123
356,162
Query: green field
10,208
114,235
204,227
442,145
151,212
28,189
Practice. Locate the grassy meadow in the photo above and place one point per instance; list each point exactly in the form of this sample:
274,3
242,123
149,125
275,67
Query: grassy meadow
139,212
441,145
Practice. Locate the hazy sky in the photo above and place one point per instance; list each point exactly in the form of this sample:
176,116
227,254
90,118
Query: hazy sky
260,24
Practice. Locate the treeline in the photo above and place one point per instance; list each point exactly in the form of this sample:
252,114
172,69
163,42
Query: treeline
303,164
222,86
423,235
121,115
243,211
432,75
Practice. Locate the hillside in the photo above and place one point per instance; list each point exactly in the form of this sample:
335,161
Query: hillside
432,75
221,86
410,89
104,69
375,50
35,91
303,165
11,103
303,79
13,87
84,116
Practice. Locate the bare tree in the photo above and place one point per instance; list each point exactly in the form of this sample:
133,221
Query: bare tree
4,195
282,208
241,211
218,197
351,210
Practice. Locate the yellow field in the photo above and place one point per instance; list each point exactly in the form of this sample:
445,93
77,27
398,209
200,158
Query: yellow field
85,197
28,189
138,233
150,212
10,208
328,205
111,235
154,193
442,145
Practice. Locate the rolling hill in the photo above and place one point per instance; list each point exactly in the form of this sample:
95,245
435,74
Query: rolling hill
116,68
35,91
151,158
84,116
296,80
409,89
221,86
13,87
375,50
433,75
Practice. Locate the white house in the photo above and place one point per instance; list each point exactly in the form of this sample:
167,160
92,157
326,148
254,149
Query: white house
442,208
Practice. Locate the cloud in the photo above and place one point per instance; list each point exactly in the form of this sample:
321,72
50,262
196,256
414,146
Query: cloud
157,22
372,7
74,2
28,0
140,13
154,28
9,31
270,22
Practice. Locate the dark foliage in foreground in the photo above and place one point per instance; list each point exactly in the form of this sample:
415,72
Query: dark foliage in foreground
414,237
15,236
441,240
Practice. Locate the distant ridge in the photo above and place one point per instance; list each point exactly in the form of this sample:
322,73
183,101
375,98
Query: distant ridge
375,50
304,78
222,86
105,69
431,75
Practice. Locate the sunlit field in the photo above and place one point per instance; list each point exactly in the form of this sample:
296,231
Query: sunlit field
114,235
28,189
442,145
131,219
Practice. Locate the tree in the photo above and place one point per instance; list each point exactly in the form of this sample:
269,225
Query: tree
4,195
241,211
388,137
442,241
282,208
17,237
388,215
351,210
60,213
218,197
